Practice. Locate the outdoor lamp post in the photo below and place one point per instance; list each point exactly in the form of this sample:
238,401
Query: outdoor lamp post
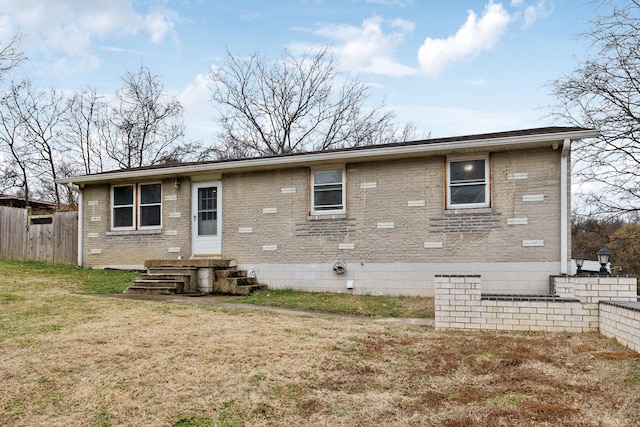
579,262
603,258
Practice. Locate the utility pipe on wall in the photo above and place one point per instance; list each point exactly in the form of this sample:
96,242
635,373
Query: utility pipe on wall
564,205
80,225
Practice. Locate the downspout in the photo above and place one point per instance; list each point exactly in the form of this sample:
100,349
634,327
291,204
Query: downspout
77,189
564,205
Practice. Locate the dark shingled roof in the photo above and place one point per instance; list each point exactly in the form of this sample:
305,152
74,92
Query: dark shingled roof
39,206
429,141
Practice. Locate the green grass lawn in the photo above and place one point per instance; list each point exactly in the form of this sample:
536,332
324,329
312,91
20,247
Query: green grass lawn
357,305
71,358
84,281
72,279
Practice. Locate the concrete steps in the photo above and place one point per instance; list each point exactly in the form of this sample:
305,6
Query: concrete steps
166,281
235,282
154,287
196,262
167,277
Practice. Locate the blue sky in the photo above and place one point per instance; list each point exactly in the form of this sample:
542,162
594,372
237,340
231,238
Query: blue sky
451,67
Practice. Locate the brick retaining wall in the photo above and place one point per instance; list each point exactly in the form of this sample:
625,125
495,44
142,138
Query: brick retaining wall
622,322
578,304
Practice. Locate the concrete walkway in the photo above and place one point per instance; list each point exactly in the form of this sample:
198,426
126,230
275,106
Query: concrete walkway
225,302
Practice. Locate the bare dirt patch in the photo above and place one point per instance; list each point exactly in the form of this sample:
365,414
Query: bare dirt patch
84,360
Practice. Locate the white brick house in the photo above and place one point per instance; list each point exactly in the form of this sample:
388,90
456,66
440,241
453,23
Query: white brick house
387,218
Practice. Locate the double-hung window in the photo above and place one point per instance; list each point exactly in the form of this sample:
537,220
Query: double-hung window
123,207
468,183
328,191
150,207
137,206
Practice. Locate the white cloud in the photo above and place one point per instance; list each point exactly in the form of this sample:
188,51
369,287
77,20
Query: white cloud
403,25
69,27
251,16
540,10
401,3
156,24
367,48
478,82
531,13
198,110
195,98
444,121
116,49
475,36
66,65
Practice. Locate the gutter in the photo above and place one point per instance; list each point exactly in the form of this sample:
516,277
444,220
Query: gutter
564,206
78,190
333,156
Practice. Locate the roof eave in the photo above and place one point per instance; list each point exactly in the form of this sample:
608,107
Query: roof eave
488,144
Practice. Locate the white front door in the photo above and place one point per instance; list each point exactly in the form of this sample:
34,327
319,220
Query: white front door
206,213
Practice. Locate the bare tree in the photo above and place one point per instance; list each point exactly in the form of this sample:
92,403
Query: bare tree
40,112
9,178
10,55
624,244
621,237
68,196
31,129
20,157
588,235
83,120
603,92
145,125
294,104
14,170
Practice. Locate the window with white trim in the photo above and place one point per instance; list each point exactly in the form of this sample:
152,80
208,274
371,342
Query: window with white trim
123,207
467,182
327,191
136,206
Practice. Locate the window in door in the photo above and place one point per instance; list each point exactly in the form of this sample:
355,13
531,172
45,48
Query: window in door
207,211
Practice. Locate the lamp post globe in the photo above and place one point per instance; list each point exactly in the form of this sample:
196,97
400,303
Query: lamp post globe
603,258
579,262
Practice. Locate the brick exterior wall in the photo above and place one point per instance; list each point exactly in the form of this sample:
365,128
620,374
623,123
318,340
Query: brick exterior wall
395,219
103,247
395,213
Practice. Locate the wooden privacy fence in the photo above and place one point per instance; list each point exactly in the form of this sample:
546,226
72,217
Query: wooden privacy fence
46,238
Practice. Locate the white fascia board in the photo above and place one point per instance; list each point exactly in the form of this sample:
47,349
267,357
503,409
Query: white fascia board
333,157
